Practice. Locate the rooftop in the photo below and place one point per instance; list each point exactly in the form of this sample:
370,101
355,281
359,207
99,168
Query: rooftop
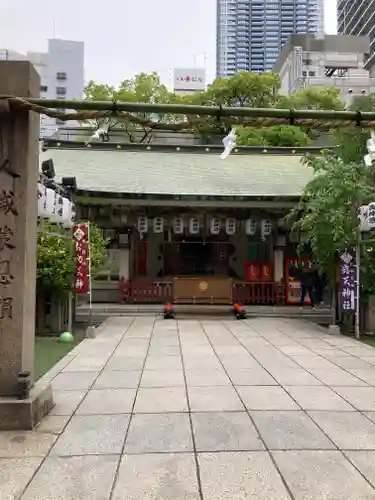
109,170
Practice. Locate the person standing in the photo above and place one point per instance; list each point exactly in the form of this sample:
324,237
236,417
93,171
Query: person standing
308,280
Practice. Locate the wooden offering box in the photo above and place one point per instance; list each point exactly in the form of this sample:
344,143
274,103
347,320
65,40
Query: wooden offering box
202,290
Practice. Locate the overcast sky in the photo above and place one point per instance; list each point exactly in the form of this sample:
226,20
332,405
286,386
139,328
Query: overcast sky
122,37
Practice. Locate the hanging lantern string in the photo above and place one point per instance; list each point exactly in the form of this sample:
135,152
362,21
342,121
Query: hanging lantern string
195,116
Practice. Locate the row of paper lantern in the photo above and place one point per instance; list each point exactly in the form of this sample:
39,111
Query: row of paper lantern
55,207
194,225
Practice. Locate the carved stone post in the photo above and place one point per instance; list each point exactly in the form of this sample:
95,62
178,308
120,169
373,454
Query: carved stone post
19,165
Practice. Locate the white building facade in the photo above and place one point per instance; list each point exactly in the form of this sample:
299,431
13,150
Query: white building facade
61,71
332,61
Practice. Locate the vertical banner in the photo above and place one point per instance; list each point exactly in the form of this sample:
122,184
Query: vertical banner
80,234
347,282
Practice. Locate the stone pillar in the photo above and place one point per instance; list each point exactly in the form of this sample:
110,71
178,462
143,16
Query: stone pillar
19,165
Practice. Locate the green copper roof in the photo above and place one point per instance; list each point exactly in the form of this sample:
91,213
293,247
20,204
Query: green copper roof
179,173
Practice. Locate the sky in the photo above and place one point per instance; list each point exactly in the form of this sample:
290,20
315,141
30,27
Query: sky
122,37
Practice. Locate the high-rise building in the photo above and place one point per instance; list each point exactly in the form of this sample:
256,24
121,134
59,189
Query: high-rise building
251,33
357,17
61,72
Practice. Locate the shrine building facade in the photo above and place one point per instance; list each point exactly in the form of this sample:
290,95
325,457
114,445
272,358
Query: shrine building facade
182,224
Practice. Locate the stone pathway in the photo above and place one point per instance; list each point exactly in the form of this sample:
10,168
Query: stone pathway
202,410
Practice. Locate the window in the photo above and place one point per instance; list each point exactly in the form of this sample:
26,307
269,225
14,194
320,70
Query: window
61,76
60,91
43,88
312,73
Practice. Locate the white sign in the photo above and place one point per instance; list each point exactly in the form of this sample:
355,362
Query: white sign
367,217
187,79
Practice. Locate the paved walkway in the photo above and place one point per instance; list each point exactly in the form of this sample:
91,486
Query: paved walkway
189,410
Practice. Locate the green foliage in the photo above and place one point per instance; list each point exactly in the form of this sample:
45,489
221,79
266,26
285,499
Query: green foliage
56,259
277,135
327,211
313,98
145,88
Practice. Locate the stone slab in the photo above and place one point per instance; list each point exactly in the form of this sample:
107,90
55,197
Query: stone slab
109,379
164,476
288,430
162,378
348,430
199,378
26,414
318,398
15,474
250,376
220,398
92,434
364,461
74,478
107,402
362,398
161,400
240,476
165,432
66,402
225,431
337,377
73,381
322,474
163,363
266,398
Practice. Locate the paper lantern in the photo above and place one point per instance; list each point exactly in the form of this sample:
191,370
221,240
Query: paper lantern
251,227
57,216
68,214
230,226
266,227
42,195
371,214
215,225
50,203
158,225
142,224
178,225
194,226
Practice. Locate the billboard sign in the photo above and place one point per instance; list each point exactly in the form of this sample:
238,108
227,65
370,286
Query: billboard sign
188,79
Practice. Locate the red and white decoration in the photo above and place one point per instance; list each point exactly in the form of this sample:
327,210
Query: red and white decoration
215,225
158,225
230,226
251,227
81,237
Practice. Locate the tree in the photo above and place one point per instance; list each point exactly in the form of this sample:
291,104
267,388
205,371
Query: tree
327,212
352,140
313,98
56,259
143,88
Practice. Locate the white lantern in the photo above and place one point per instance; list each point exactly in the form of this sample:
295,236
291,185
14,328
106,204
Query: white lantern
57,216
42,195
371,214
142,224
215,225
266,227
68,214
230,226
158,225
251,227
194,226
50,203
178,225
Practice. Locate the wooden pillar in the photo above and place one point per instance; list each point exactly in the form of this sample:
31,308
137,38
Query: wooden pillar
19,165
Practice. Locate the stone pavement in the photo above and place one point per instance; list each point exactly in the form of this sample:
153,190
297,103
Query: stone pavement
214,410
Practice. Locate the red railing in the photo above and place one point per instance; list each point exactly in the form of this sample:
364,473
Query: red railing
151,292
159,292
248,293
